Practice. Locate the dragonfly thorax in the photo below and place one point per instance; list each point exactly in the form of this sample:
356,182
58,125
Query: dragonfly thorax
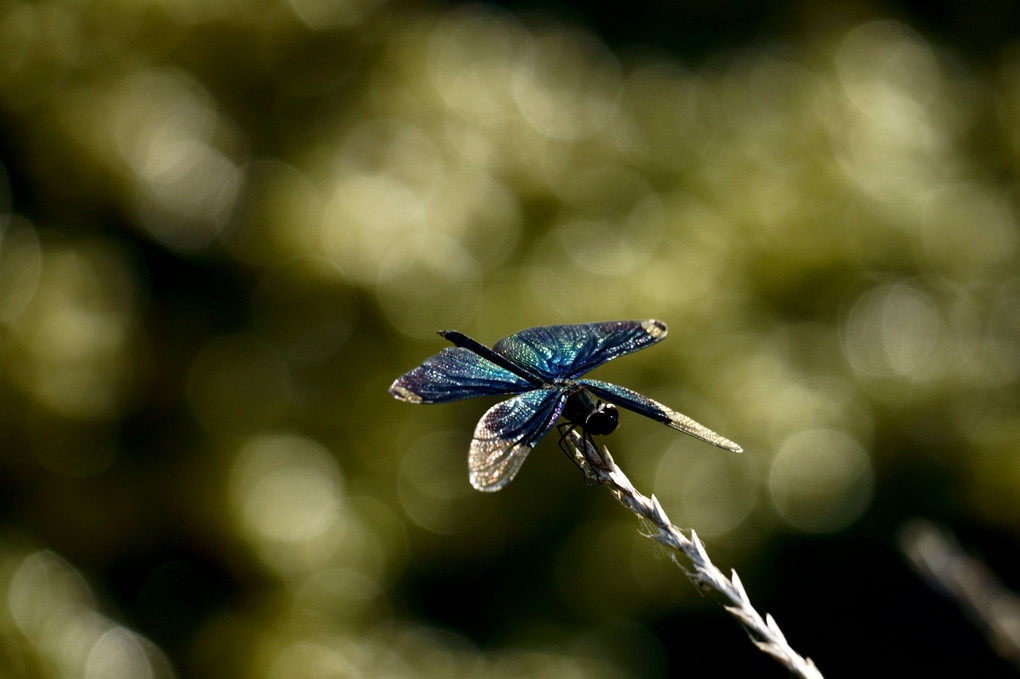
597,419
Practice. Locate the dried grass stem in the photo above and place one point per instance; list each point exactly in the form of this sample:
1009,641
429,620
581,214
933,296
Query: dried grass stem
764,632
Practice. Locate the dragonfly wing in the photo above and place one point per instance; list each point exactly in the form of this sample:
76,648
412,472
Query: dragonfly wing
631,400
507,433
567,351
453,374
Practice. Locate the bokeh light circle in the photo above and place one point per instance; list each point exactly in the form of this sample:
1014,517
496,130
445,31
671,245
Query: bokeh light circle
429,284
74,340
20,266
714,491
821,480
433,485
892,331
287,492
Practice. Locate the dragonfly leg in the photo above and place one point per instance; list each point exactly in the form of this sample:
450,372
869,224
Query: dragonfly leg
572,452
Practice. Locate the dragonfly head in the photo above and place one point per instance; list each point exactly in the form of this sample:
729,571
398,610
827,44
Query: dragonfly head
602,420
596,417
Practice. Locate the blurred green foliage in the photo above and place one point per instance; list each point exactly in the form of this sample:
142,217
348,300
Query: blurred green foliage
226,227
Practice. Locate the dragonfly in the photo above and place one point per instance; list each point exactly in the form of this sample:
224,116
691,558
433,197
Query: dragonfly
543,367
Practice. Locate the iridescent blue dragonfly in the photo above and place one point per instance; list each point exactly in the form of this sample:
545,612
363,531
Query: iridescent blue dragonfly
542,365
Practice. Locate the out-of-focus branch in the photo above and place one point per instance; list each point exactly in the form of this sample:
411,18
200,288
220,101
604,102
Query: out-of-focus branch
764,632
941,561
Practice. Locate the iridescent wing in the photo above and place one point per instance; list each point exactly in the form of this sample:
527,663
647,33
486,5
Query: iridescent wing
507,433
631,400
453,374
567,351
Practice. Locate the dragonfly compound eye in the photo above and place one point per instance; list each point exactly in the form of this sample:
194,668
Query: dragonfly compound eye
603,421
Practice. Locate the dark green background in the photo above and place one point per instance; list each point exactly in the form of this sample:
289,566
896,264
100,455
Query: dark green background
225,228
